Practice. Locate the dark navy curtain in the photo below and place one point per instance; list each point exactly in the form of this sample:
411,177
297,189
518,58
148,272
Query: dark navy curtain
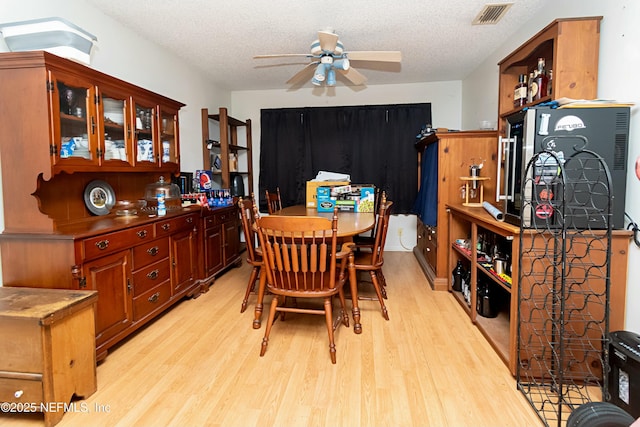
373,144
426,204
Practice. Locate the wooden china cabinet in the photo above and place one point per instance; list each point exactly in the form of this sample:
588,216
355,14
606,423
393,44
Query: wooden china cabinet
66,129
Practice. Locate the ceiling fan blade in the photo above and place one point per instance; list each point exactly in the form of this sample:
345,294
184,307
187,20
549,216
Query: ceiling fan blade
304,74
375,55
328,41
281,55
355,76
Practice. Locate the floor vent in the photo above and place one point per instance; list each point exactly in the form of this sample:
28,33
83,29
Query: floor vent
491,13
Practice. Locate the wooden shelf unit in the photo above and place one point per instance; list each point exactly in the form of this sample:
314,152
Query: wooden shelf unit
501,331
562,44
231,142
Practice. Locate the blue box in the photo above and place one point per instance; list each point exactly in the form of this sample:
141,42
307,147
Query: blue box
324,200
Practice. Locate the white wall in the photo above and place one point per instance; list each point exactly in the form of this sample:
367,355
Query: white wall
617,79
445,99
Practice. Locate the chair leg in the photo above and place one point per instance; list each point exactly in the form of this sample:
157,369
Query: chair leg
376,286
258,310
328,314
353,285
272,314
343,307
250,286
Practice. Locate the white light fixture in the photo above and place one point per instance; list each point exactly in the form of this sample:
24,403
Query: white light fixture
54,35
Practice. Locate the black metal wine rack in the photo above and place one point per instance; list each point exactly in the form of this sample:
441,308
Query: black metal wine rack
563,309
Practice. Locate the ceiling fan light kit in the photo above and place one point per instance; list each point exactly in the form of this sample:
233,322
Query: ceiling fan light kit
328,55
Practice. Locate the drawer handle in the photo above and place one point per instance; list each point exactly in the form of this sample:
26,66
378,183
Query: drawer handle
153,251
102,244
166,227
18,394
189,220
153,274
142,234
154,297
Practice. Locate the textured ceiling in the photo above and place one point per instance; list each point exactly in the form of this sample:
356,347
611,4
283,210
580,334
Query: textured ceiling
436,37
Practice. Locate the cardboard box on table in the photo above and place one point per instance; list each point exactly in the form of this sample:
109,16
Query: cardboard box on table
348,198
312,187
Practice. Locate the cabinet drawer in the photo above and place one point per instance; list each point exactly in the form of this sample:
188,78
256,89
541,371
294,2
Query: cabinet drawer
18,390
151,300
220,218
170,226
151,276
150,252
111,242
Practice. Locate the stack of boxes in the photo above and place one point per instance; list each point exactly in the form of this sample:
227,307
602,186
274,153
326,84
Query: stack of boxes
348,198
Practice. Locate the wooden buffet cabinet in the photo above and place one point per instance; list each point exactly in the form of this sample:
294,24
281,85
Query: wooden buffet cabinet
455,152
52,148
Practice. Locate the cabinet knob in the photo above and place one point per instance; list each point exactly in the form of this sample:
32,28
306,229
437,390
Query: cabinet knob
154,297
102,244
142,234
153,274
166,227
190,220
153,251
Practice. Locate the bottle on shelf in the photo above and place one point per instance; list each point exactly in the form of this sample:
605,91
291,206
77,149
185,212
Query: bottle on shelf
465,284
540,81
162,209
456,277
520,92
550,83
529,88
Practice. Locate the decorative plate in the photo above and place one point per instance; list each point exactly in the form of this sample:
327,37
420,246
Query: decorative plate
99,197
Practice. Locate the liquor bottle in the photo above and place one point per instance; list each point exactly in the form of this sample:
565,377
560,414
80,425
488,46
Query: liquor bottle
550,83
520,91
456,277
540,81
529,88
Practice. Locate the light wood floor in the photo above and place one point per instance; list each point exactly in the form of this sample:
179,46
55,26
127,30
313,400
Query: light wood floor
199,365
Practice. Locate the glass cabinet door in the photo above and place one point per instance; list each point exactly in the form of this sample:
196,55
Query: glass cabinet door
116,123
168,136
75,127
145,122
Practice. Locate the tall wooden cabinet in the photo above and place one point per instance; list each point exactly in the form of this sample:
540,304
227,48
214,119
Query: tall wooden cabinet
64,126
227,148
455,152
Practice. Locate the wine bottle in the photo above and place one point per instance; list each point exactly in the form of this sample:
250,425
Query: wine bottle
520,92
540,81
550,83
456,277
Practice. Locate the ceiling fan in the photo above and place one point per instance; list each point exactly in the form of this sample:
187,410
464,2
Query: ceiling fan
328,56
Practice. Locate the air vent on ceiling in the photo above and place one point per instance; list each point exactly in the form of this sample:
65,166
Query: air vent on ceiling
491,13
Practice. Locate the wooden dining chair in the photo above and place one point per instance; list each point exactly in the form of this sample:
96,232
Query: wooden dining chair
274,202
368,238
302,260
254,254
370,258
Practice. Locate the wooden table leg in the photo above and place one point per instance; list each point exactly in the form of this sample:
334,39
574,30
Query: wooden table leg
258,310
353,283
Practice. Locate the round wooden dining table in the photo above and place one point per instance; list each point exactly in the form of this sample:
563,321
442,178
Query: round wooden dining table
349,224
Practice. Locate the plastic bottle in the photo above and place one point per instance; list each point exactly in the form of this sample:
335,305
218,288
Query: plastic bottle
162,209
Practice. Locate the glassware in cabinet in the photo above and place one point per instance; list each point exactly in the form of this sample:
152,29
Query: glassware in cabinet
169,147
75,127
116,126
143,135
